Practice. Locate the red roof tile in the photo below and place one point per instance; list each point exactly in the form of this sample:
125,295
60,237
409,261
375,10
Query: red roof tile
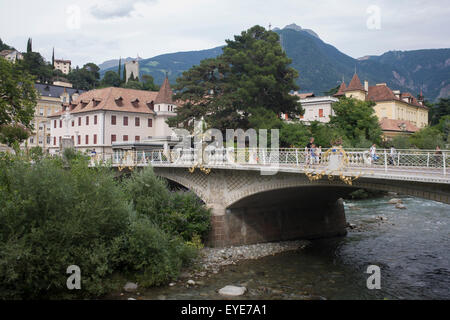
355,84
107,99
165,93
341,90
398,125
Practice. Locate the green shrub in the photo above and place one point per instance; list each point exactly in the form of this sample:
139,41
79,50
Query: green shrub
53,215
180,214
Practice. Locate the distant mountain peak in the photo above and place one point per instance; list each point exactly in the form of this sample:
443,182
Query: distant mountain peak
296,27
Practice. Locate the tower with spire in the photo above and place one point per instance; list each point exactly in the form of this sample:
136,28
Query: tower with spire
164,108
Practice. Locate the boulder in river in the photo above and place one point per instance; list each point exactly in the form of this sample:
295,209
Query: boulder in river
400,206
130,287
232,291
191,282
395,201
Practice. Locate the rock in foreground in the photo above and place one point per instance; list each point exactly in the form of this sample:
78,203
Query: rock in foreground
130,287
232,291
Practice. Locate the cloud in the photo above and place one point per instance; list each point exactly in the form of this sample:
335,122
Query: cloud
115,8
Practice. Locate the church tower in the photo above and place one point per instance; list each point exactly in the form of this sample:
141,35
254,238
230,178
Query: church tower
164,108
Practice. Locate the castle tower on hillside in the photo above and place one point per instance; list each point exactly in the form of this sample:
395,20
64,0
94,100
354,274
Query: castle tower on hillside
132,68
355,89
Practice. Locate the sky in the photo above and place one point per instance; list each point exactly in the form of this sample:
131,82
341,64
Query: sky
98,30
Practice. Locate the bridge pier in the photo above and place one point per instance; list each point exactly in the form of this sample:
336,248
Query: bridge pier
249,224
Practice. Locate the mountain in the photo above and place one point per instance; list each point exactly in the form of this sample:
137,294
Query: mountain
172,63
113,63
322,66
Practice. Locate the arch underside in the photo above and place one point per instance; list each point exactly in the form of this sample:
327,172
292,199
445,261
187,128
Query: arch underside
229,187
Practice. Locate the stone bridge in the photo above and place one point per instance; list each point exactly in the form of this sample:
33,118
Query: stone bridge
250,206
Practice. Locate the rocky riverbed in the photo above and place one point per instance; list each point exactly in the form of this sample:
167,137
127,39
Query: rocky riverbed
211,260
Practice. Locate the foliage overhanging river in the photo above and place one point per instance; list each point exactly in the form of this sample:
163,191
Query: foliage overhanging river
410,246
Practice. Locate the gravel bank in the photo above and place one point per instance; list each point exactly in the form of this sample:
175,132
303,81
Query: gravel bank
211,260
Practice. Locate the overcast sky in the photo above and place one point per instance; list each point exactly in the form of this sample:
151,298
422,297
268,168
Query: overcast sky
98,30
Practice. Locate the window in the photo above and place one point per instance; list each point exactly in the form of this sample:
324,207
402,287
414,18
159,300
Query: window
87,139
54,124
95,139
113,120
137,138
95,119
73,139
150,123
73,123
79,139
137,121
41,111
60,123
321,113
125,121
54,141
31,140
87,120
125,138
113,138
79,121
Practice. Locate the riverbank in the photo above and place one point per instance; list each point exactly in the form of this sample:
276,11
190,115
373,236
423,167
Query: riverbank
212,260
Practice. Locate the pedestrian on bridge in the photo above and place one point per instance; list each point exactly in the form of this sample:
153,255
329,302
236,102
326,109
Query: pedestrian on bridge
392,155
373,152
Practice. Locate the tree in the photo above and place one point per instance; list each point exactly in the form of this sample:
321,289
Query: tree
332,91
120,67
357,121
124,74
439,110
110,79
53,58
18,99
86,78
252,74
34,64
29,45
12,135
148,83
4,46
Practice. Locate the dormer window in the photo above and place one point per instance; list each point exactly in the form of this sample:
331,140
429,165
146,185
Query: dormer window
135,101
96,101
151,105
119,100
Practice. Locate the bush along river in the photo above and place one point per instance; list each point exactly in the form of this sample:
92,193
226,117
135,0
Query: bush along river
409,239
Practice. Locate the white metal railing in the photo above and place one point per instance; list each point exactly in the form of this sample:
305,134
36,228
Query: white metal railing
424,161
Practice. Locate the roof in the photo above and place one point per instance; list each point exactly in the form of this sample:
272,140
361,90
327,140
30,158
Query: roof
165,93
304,95
63,61
4,53
355,84
113,99
341,89
49,90
398,125
384,93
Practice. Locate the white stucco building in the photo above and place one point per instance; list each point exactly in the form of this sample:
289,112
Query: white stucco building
102,118
316,108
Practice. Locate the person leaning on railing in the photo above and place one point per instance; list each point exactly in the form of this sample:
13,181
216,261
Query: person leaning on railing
438,156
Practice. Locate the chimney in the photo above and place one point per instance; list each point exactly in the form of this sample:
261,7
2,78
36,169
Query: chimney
366,85
396,93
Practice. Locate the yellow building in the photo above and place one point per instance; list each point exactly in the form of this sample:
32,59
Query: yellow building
63,65
399,113
50,101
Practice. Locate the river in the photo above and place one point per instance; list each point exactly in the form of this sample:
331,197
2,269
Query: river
410,246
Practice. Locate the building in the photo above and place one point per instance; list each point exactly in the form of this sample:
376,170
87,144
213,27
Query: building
51,97
63,65
132,68
405,113
316,108
11,55
103,119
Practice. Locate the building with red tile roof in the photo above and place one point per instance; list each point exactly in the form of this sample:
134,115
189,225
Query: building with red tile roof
99,119
395,110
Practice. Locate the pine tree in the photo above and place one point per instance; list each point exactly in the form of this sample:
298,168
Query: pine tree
29,45
53,58
124,74
120,67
